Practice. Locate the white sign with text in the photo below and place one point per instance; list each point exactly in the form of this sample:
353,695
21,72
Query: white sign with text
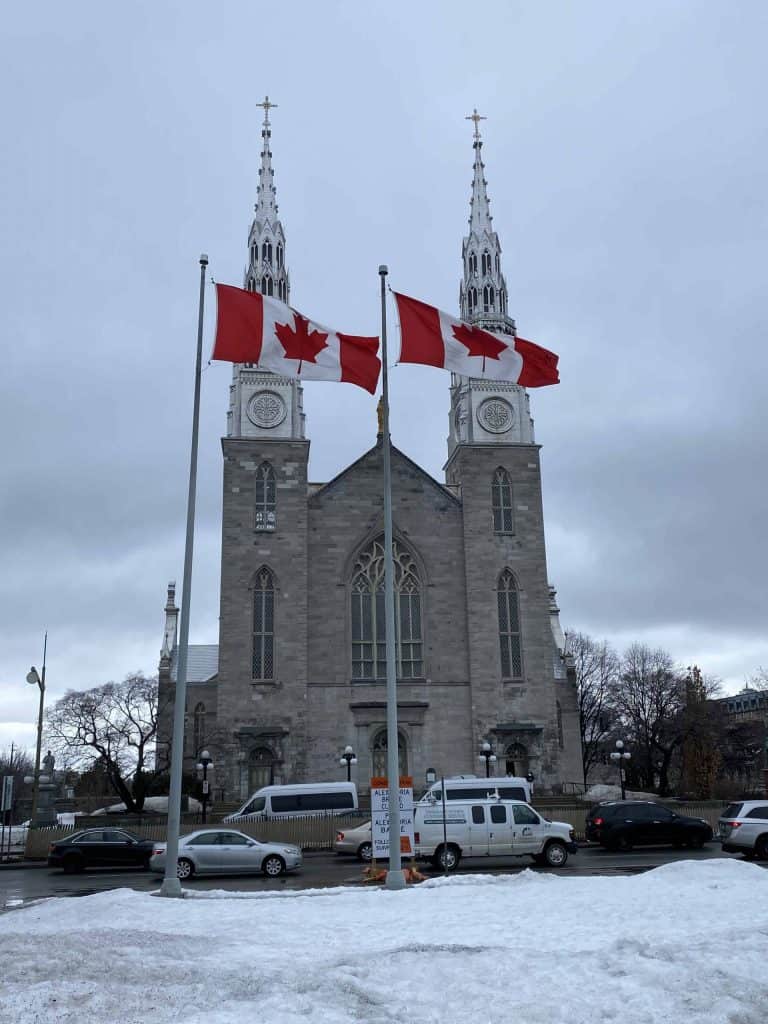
380,816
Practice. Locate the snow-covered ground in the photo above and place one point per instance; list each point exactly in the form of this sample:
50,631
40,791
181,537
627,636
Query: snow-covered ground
686,942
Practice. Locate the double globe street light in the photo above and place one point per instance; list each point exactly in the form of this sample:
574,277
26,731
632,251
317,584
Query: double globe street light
348,758
487,755
36,679
206,761
620,756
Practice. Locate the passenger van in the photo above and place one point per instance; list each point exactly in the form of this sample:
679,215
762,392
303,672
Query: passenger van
489,828
297,801
469,787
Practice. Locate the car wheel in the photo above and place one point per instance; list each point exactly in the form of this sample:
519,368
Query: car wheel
72,864
623,843
697,841
365,851
555,855
273,866
184,869
447,857
761,848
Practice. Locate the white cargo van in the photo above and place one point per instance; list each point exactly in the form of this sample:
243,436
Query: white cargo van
297,801
489,828
469,787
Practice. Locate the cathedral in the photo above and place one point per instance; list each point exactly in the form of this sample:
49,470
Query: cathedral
299,672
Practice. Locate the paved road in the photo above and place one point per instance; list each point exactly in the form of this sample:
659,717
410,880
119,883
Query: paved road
19,886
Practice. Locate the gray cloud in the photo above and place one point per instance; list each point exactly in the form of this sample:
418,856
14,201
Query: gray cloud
626,166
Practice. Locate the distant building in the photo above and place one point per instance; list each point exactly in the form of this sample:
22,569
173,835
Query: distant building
299,670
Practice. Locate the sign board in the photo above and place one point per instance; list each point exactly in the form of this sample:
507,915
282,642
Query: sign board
6,802
206,784
380,816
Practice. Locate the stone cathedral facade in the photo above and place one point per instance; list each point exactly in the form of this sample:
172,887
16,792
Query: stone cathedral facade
299,671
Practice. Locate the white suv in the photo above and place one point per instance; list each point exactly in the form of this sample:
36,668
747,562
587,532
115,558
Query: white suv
743,828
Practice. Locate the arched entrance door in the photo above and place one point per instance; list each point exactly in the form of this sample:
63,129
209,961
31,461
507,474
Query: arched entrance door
379,753
261,768
516,760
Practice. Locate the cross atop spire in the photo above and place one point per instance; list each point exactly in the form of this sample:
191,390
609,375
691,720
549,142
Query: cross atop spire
267,107
477,118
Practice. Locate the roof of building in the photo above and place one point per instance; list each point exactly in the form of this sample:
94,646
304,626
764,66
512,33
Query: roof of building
202,662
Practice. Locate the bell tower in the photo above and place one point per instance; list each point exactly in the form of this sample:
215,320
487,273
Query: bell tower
261,404
485,411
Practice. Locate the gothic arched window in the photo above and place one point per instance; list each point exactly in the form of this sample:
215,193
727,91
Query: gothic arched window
509,627
487,299
265,498
486,263
473,263
266,252
491,296
279,255
379,750
198,735
368,636
501,502
264,625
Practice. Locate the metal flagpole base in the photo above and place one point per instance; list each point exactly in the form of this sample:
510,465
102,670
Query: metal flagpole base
395,880
171,887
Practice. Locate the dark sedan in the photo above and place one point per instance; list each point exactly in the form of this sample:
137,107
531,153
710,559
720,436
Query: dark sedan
622,824
100,848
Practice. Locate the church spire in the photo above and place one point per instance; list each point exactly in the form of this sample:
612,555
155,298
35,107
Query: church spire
483,291
262,404
485,412
266,271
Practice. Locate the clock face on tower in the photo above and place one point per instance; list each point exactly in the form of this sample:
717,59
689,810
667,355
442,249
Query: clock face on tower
496,416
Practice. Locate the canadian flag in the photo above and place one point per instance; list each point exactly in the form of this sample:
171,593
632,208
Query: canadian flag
428,335
253,328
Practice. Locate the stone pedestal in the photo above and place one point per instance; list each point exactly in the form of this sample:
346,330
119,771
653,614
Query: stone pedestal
47,793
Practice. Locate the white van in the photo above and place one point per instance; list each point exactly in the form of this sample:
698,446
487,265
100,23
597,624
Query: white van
489,828
469,787
297,801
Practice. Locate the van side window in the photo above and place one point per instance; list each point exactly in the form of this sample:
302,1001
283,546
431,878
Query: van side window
478,816
254,806
525,816
285,804
498,814
512,793
758,812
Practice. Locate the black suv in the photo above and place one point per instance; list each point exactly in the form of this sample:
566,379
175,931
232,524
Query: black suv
622,824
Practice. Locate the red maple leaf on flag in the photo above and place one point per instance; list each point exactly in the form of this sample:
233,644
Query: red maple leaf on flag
478,343
299,342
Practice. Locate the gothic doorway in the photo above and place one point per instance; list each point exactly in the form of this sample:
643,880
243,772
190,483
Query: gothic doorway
379,753
516,760
261,768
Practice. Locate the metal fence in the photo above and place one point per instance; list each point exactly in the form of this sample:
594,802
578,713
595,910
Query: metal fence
316,832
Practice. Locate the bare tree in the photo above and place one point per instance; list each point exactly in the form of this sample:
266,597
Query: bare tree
649,699
114,726
18,763
597,667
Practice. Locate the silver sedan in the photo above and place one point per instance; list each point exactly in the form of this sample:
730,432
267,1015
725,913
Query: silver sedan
226,852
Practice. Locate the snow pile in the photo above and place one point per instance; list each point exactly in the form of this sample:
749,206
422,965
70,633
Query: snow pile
685,942
152,804
605,792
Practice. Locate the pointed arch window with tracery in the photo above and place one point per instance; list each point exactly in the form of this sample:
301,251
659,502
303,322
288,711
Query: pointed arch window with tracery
198,722
501,502
265,498
509,627
368,634
379,754
264,625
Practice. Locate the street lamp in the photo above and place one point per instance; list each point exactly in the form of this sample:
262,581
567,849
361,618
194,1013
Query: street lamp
620,756
348,758
34,679
205,763
487,755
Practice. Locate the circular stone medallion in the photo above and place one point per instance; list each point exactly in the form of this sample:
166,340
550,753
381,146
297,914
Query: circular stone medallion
496,416
266,409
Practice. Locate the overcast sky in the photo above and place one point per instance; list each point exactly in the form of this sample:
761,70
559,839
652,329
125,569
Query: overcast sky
627,162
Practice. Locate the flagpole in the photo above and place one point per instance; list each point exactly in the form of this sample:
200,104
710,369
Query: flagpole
395,877
171,885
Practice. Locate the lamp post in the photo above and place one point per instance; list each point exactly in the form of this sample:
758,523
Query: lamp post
33,678
348,758
205,763
621,756
487,755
